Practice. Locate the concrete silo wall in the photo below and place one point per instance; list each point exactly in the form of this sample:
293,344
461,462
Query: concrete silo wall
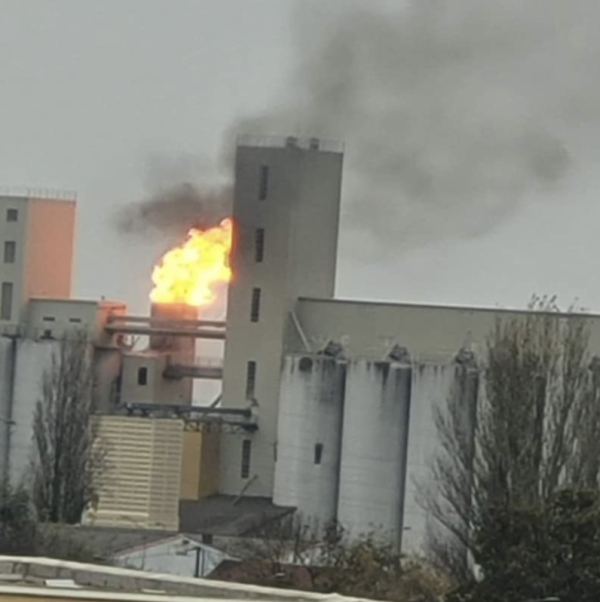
309,437
375,427
433,384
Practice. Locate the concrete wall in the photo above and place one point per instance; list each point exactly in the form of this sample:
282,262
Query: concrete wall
108,365
310,415
8,351
15,231
373,468
200,464
43,234
49,256
59,316
432,384
299,259
33,359
431,333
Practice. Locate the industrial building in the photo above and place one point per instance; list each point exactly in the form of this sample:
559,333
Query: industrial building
326,406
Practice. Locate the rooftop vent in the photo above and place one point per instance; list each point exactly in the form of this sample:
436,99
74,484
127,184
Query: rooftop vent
465,356
314,144
291,141
399,354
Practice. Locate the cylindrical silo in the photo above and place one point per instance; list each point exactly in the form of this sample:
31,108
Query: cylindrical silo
309,437
375,430
434,384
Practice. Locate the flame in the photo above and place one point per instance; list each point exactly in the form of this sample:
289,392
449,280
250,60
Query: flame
189,274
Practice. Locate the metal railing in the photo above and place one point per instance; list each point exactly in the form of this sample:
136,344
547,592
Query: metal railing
38,193
303,142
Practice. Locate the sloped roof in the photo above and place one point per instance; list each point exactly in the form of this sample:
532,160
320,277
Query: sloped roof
228,515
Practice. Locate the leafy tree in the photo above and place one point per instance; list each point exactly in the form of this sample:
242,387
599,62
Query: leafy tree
22,535
540,551
368,566
18,529
67,454
518,427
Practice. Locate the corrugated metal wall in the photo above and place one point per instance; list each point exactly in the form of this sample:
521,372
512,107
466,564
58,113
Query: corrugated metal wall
141,481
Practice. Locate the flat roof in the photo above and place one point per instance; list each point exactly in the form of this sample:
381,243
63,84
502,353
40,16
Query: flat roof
48,579
439,306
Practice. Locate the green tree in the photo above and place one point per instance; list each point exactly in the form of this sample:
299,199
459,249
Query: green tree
539,551
522,422
18,529
68,459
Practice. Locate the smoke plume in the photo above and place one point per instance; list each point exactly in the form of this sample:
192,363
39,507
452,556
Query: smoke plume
454,112
177,200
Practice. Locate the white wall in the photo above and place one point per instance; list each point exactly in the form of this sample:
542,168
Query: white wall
310,413
373,448
33,358
299,259
432,384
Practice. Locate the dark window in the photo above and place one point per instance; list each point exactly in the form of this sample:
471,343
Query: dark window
6,301
75,320
263,187
250,379
48,319
12,215
246,450
318,453
10,251
142,376
259,245
255,306
275,451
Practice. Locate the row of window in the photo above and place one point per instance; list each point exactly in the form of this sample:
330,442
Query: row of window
259,255
10,251
247,453
6,299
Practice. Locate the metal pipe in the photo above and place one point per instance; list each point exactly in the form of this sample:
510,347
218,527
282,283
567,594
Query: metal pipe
162,321
247,412
218,335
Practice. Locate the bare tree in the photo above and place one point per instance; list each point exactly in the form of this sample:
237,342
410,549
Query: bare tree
516,427
67,459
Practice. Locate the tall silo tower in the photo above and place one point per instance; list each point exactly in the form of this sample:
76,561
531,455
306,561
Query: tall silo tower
286,219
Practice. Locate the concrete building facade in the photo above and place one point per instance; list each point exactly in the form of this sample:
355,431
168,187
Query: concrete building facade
344,392
281,251
36,241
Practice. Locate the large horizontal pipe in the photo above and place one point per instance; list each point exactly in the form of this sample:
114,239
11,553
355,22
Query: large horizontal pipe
150,407
218,335
165,321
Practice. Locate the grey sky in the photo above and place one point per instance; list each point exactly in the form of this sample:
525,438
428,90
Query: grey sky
91,90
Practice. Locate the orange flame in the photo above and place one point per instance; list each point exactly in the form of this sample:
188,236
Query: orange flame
189,273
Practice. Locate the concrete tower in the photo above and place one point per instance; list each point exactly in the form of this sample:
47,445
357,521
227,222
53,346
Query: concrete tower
286,217
36,247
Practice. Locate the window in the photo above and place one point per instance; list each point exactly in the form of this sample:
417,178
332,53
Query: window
142,376
6,301
10,251
12,215
250,379
263,187
75,320
318,453
259,245
48,319
246,450
255,306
